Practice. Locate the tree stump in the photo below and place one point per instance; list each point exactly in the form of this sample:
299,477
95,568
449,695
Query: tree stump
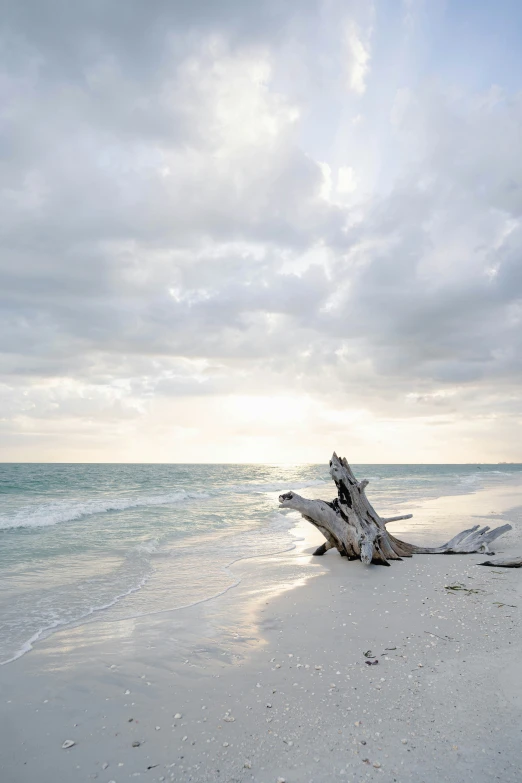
351,525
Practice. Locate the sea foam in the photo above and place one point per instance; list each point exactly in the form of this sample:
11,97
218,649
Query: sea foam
46,514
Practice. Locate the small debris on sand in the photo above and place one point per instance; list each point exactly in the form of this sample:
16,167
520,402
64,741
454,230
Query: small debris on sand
456,587
68,744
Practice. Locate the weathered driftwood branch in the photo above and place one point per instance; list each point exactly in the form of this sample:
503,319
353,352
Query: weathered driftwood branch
396,519
351,525
504,562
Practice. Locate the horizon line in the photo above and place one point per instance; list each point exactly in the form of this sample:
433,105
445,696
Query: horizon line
46,462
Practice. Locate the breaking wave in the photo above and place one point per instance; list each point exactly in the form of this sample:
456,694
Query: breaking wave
46,514
56,512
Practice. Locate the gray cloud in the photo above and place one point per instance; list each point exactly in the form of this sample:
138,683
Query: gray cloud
167,234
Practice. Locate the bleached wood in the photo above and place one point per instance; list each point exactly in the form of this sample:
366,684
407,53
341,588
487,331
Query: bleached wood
504,562
396,519
351,525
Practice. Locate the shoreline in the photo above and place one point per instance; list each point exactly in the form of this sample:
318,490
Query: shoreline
158,585
418,532
302,640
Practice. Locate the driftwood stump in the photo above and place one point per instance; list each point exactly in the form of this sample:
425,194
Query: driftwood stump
351,525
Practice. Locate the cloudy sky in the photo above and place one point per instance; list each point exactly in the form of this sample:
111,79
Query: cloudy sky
260,231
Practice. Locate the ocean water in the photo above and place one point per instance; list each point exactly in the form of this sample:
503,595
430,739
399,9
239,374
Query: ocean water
83,542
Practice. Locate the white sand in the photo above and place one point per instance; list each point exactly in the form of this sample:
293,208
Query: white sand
273,683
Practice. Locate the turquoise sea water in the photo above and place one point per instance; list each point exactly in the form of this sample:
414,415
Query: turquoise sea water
80,541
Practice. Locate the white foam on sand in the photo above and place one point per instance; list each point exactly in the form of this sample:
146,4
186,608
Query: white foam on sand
150,580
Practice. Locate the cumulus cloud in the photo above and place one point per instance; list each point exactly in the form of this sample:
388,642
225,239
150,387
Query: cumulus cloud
357,56
183,252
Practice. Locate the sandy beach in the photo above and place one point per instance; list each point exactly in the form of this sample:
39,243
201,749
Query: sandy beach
271,680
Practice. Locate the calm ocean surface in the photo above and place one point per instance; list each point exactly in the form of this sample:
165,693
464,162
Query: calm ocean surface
84,541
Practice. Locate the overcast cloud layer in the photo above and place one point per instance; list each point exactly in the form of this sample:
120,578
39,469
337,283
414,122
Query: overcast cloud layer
259,231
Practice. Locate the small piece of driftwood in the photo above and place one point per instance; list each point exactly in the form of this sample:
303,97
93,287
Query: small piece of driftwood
351,525
504,562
